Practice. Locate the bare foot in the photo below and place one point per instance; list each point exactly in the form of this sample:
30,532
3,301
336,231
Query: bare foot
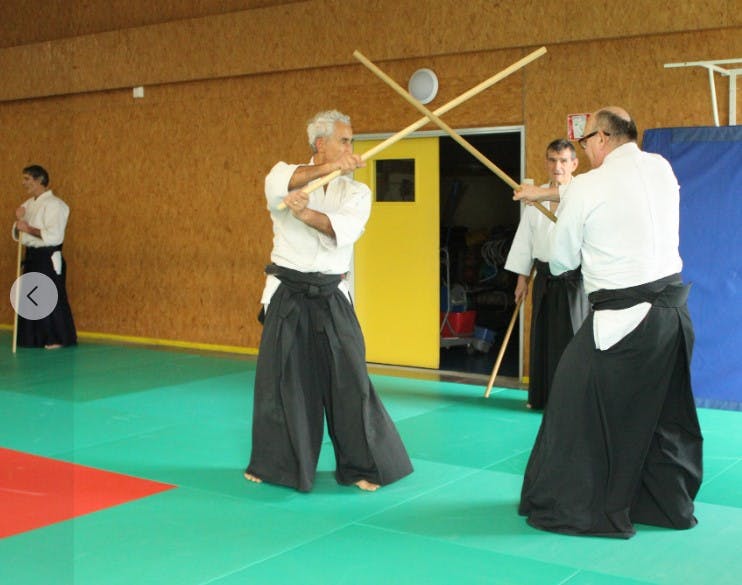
53,346
528,405
367,486
251,477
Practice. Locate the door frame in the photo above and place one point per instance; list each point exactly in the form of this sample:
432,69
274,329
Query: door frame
513,129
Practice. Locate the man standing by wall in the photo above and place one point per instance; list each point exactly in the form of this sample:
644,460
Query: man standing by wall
620,441
559,302
40,225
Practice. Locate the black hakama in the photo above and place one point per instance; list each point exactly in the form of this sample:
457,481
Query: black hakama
620,440
58,327
312,361
560,307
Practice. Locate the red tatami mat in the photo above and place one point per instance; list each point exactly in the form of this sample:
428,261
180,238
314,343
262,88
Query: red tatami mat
37,491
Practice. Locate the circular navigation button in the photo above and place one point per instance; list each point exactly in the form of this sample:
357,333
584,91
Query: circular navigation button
34,296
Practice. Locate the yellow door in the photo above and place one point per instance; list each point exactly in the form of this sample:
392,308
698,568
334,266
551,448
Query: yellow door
397,260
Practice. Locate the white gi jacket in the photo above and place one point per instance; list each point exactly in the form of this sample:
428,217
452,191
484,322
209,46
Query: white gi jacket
531,238
347,203
620,221
48,213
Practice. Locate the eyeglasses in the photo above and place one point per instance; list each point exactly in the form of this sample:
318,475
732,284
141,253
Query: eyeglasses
583,141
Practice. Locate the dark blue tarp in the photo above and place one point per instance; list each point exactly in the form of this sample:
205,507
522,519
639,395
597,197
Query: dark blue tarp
708,164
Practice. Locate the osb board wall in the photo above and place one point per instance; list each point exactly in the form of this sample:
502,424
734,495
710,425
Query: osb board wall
164,207
23,22
169,234
630,73
317,33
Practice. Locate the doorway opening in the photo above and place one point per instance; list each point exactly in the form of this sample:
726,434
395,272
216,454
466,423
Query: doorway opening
478,220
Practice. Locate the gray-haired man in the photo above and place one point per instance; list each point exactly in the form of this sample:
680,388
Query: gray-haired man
311,362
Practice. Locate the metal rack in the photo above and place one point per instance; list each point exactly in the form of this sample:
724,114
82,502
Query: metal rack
715,66
455,341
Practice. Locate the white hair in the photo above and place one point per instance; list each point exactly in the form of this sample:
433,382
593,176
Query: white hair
323,125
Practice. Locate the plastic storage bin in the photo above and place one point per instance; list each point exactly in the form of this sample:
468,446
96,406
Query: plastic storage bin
458,324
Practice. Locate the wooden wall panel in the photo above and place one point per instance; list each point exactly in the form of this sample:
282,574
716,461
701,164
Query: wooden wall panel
322,33
499,105
484,24
581,77
23,22
169,233
165,234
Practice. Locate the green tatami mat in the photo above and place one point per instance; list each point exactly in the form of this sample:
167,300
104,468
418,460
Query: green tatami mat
185,419
93,371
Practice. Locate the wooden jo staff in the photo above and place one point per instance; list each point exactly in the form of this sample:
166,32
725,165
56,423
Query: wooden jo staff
477,89
509,331
433,117
505,339
17,292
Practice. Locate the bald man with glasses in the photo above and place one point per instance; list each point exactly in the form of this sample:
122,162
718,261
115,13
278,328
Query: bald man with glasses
620,441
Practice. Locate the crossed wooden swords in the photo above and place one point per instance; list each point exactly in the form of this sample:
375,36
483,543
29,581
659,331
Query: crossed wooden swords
434,117
428,116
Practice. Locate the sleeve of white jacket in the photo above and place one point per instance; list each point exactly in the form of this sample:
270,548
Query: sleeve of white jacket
349,221
520,256
14,233
567,235
277,184
54,222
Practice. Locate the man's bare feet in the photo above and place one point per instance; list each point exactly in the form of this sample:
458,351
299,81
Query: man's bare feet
367,486
251,477
53,346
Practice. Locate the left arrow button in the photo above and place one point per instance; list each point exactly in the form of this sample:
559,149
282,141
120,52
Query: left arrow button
34,296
